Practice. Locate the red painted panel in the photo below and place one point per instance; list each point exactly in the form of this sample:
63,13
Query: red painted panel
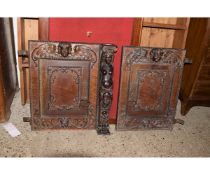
117,31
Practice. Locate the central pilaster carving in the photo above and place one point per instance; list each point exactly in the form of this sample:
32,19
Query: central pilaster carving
105,91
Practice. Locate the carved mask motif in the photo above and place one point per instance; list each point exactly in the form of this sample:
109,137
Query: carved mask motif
107,99
156,54
64,49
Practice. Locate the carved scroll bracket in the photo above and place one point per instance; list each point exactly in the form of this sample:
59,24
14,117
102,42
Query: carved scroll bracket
63,51
154,55
105,91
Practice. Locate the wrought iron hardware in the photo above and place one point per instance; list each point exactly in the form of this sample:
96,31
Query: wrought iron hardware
26,119
179,121
22,53
187,61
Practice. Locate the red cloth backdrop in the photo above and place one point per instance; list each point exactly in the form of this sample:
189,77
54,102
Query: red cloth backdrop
104,30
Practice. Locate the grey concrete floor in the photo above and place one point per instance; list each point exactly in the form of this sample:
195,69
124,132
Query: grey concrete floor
189,140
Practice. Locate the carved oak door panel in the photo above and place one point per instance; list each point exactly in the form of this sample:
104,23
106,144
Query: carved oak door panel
63,85
150,82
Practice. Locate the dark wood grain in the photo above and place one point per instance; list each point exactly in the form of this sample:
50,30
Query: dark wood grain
149,87
8,72
196,76
64,85
105,90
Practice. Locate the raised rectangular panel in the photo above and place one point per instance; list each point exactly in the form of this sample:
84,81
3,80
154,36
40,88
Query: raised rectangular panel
64,83
149,87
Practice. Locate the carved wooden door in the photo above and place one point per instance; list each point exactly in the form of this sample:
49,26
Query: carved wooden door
149,87
64,84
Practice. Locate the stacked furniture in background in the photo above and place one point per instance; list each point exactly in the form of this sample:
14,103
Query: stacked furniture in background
195,88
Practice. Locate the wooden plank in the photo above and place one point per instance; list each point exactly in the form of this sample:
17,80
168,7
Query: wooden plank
27,30
153,37
20,26
181,36
168,21
164,32
44,29
172,21
136,34
196,42
164,26
31,30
